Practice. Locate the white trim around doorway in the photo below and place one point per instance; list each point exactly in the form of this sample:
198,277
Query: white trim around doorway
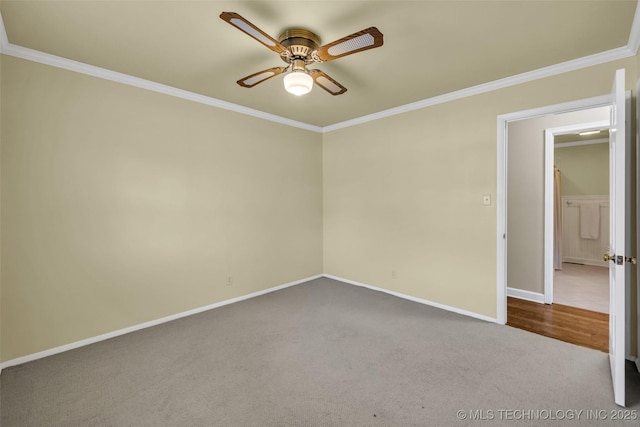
501,193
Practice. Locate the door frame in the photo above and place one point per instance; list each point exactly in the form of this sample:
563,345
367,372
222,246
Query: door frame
501,201
503,121
637,118
549,208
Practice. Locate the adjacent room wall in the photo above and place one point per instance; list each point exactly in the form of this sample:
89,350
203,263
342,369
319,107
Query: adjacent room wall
404,194
584,169
584,173
525,195
121,206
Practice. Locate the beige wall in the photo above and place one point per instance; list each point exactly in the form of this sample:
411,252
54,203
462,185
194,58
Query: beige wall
525,195
121,206
405,193
584,169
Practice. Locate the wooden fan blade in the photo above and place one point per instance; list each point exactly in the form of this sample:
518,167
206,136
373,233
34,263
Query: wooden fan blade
260,76
327,83
248,28
357,42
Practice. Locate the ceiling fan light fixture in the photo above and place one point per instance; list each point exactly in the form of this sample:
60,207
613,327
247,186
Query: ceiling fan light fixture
589,132
298,82
298,48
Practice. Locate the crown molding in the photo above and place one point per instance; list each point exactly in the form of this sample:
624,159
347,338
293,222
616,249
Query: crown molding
4,40
631,49
588,61
634,35
103,73
552,70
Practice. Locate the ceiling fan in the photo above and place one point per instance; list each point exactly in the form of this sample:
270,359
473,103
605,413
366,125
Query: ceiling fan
299,48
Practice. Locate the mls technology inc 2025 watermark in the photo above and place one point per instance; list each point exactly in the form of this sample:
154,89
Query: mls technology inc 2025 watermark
548,414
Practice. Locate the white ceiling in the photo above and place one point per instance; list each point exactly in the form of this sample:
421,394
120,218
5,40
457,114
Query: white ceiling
430,47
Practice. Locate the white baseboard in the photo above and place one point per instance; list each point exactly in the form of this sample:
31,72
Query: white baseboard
415,299
526,295
586,261
92,340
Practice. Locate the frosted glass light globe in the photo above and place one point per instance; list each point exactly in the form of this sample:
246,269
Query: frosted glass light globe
298,83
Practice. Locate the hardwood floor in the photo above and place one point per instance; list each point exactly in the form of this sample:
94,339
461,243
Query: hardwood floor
570,324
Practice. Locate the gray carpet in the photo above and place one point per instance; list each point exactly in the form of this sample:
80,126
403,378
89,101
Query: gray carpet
322,353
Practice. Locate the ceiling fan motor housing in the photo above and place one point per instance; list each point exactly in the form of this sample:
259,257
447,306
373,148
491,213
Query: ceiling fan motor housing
300,44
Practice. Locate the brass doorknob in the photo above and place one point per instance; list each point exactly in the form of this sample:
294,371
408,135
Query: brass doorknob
632,260
608,257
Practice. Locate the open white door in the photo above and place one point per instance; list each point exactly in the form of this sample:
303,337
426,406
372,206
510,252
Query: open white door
616,255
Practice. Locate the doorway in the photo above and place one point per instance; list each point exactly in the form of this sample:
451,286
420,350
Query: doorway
544,217
530,199
577,214
619,226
